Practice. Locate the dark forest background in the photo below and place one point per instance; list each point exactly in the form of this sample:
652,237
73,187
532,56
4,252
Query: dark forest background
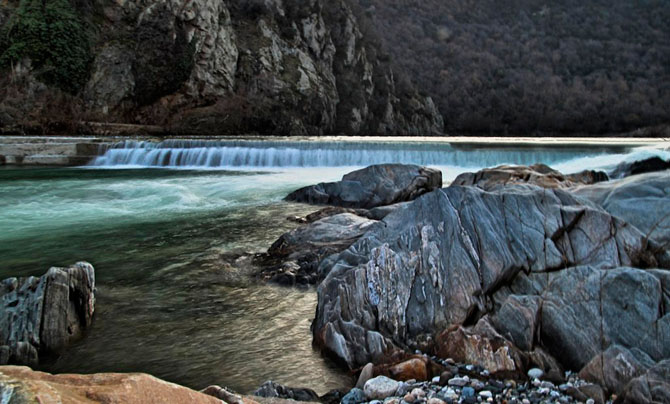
525,66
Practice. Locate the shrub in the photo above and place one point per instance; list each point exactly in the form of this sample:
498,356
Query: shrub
51,35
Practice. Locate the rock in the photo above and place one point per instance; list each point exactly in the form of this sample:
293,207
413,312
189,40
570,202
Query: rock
354,396
411,369
272,389
615,367
594,393
380,387
651,387
223,394
435,400
552,369
458,253
366,374
468,392
21,385
409,398
296,255
482,347
535,373
641,200
490,179
44,315
651,164
373,186
458,382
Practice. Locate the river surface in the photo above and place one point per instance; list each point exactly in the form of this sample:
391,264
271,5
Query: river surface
163,225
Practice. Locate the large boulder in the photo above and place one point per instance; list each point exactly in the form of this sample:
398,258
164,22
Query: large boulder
538,174
651,387
641,200
19,384
42,316
376,185
457,254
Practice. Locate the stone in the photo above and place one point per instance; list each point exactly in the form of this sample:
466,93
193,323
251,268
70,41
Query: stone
380,387
411,369
468,392
22,385
458,382
615,367
535,373
429,264
271,389
486,394
354,396
651,387
435,400
541,175
409,398
223,394
641,200
373,186
297,254
365,375
44,315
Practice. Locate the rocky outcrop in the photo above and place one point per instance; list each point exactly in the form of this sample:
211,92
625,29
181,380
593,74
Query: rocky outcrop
225,67
541,175
518,277
21,385
652,387
641,200
296,255
42,316
373,186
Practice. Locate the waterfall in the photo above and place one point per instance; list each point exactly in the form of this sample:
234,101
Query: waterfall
240,154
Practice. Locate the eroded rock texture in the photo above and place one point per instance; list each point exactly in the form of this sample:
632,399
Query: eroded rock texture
41,316
520,276
490,179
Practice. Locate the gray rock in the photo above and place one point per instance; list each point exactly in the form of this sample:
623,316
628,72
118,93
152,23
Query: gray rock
44,315
436,261
641,200
366,374
373,186
380,387
275,390
535,373
615,367
651,387
296,255
354,396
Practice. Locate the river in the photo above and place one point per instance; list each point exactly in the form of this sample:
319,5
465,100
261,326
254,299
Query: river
163,225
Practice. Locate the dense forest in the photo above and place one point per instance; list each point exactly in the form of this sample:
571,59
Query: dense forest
526,66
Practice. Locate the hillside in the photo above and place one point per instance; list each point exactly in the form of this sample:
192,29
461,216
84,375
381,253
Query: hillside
531,65
202,67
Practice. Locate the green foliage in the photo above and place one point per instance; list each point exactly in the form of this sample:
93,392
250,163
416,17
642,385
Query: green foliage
50,34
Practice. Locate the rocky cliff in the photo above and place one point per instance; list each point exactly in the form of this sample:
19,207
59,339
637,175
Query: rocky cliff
275,67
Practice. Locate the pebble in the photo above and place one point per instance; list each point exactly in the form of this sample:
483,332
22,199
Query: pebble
486,394
458,381
418,393
380,387
535,373
435,401
468,392
590,401
409,398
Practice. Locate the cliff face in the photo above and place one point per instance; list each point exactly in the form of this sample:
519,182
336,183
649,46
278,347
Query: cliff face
282,67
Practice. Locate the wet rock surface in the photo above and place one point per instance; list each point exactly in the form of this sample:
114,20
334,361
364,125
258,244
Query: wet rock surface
373,186
42,316
652,164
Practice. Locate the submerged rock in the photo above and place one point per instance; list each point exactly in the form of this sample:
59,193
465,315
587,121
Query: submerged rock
538,174
20,384
373,186
42,316
271,389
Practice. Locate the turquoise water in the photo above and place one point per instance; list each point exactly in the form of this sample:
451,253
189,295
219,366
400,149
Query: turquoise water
173,297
